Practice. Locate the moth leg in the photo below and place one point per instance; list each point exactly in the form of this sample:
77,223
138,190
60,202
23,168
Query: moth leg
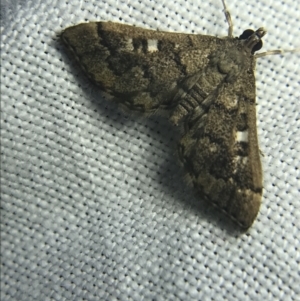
228,19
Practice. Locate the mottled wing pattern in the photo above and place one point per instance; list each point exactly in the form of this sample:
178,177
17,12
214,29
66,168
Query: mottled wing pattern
220,153
205,83
140,67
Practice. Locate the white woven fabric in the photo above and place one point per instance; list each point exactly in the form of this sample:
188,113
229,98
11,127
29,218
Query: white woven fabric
94,206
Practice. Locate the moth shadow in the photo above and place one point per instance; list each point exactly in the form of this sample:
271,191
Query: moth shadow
170,175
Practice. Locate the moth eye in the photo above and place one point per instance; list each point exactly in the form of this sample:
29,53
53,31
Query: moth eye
246,34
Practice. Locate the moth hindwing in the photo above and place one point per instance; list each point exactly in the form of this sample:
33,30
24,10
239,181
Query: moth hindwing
205,84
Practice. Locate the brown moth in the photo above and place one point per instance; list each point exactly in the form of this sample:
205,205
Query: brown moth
205,84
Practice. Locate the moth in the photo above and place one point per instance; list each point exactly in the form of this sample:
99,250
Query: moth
204,84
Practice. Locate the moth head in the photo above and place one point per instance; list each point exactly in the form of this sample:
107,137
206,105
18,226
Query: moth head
252,39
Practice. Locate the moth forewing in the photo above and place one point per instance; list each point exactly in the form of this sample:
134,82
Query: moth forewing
141,68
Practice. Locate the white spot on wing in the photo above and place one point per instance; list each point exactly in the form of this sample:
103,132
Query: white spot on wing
152,45
242,136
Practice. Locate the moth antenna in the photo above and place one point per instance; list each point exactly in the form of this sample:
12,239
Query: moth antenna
228,19
277,51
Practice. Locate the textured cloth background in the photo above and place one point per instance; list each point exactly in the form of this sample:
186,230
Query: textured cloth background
93,202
